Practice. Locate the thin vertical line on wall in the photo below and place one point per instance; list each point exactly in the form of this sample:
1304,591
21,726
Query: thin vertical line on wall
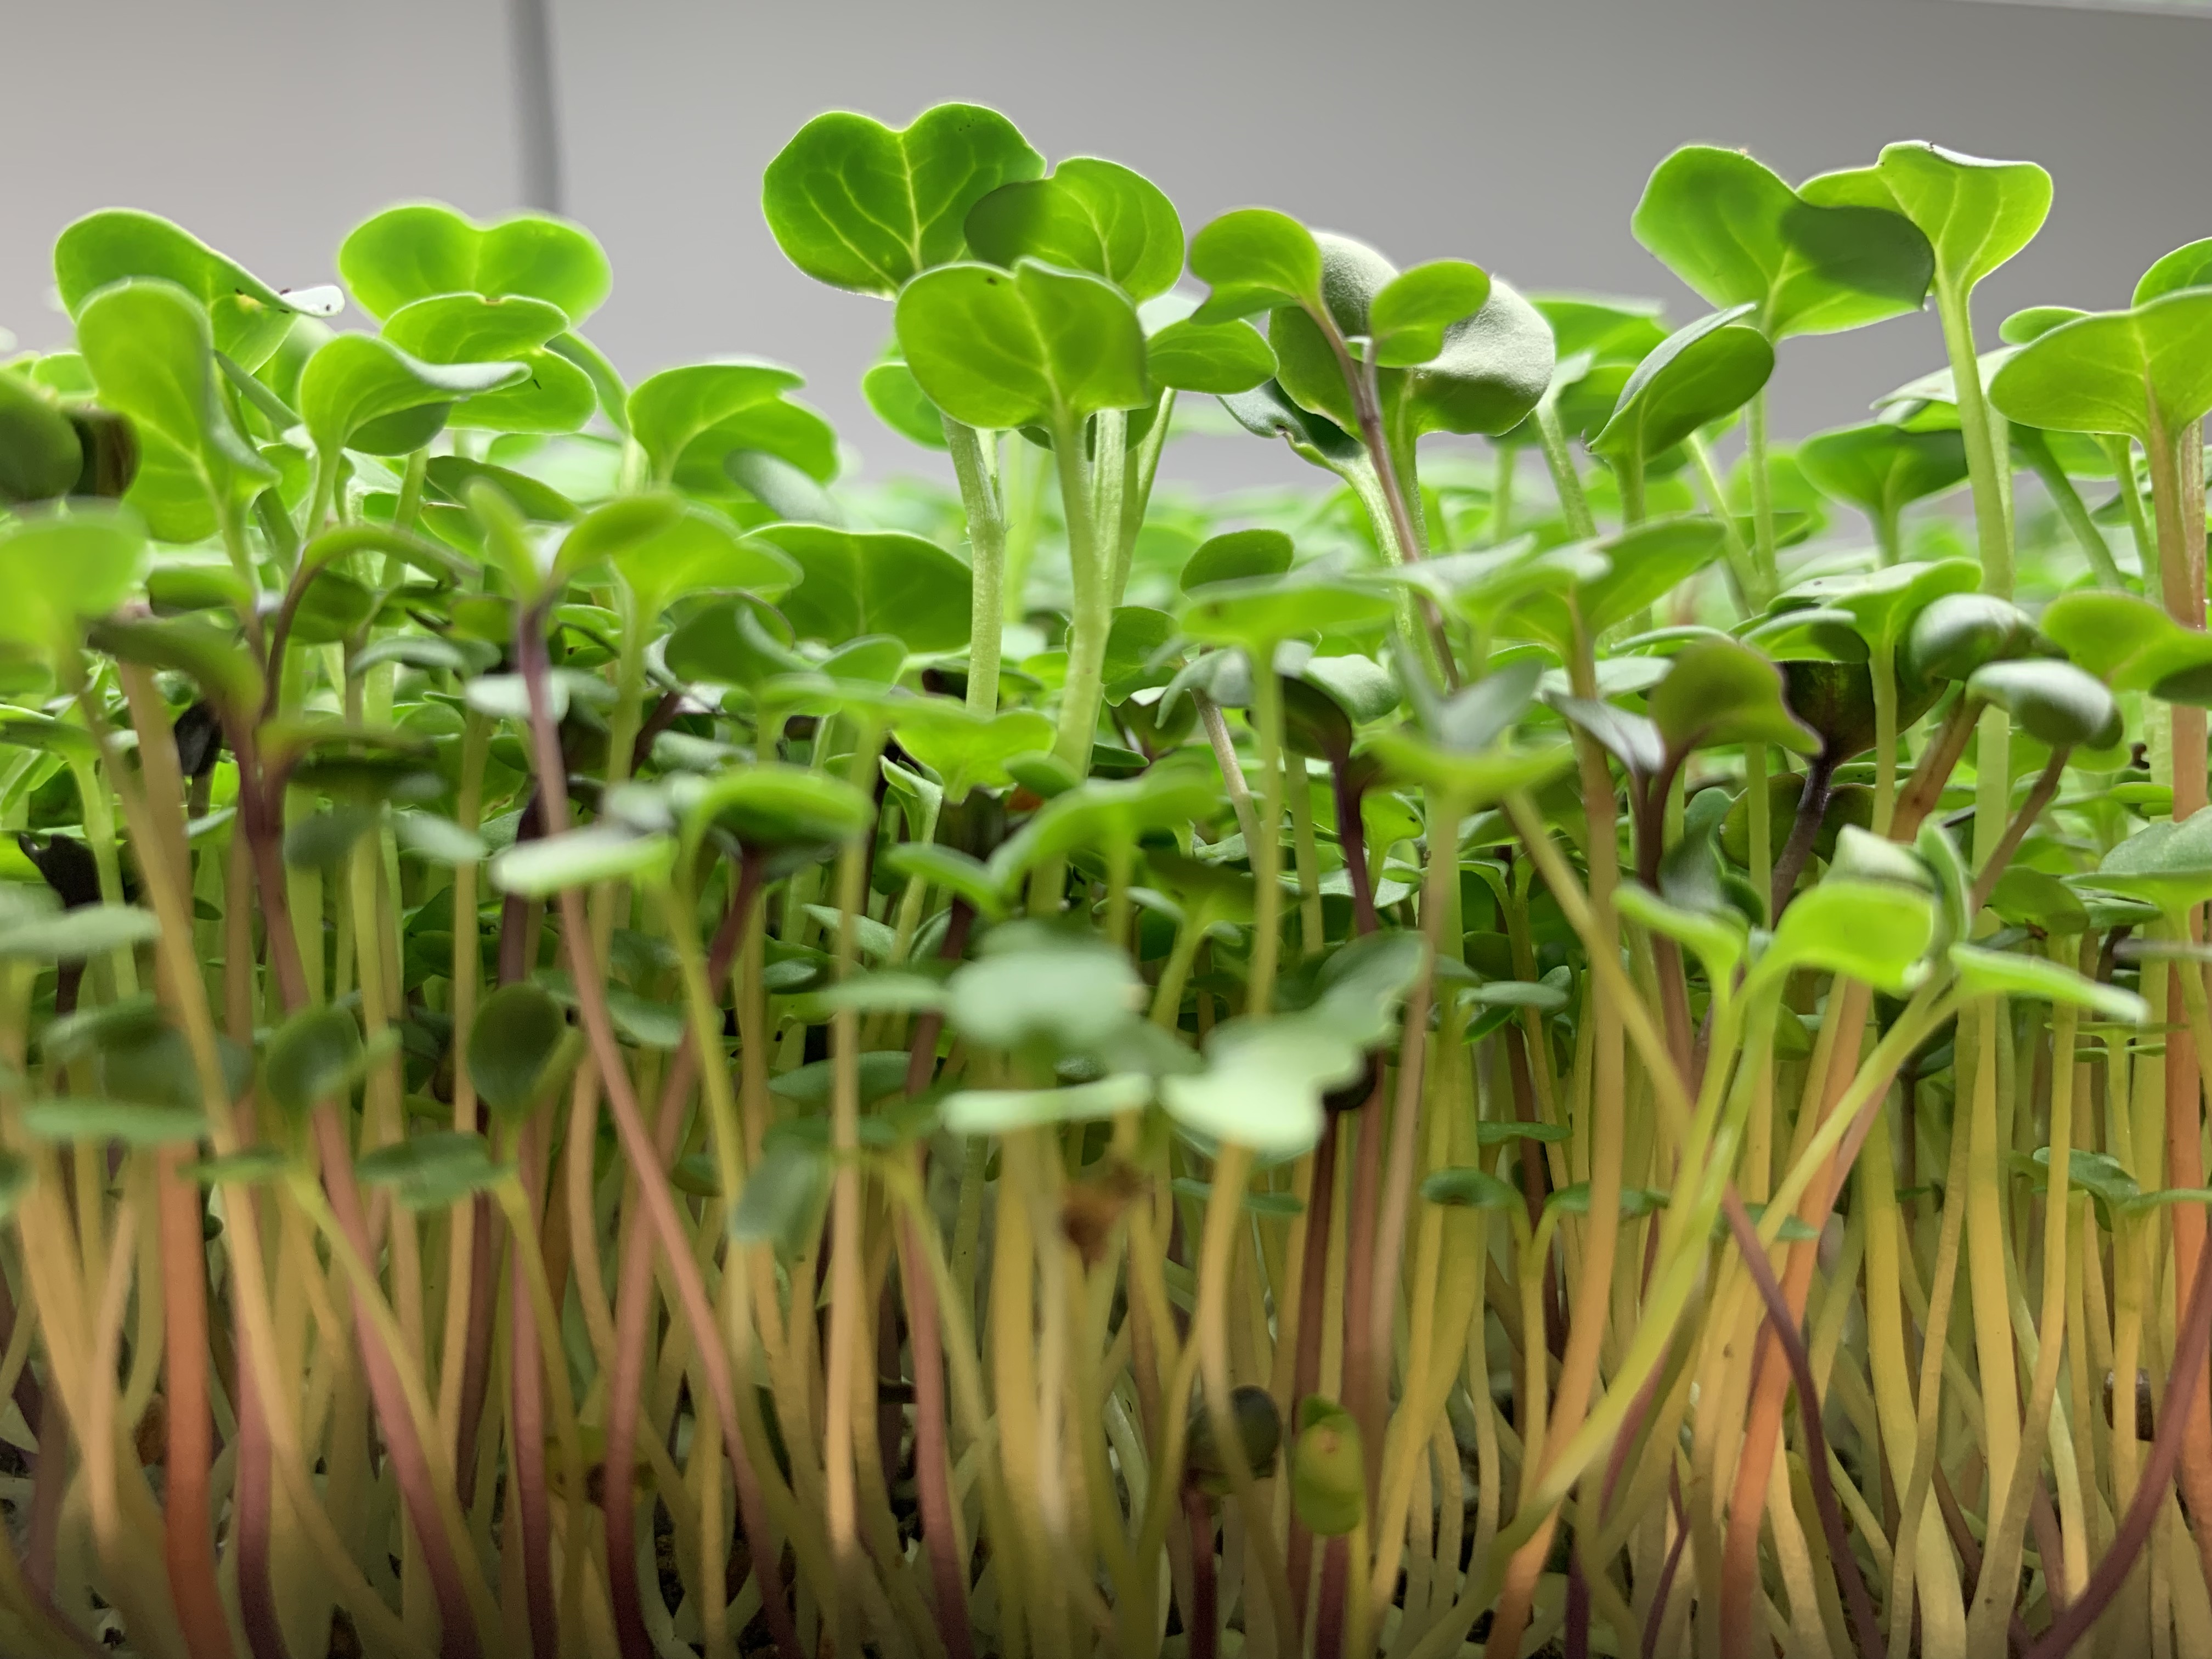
536,110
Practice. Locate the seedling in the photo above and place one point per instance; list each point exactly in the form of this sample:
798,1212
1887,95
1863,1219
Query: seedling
612,1043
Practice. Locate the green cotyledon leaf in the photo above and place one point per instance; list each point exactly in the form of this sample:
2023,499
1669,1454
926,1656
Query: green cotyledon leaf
860,205
1737,233
422,249
1088,214
1032,346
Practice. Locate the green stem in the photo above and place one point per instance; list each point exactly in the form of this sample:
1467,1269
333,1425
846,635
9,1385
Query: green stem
1093,616
2068,501
1022,472
1267,853
1109,479
846,1266
1761,810
1762,493
1750,585
409,506
1501,492
324,492
1889,533
987,540
2121,450
1882,668
1139,469
1631,480
1574,506
1991,525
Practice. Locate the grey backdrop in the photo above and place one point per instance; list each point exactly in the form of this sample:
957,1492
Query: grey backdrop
1515,132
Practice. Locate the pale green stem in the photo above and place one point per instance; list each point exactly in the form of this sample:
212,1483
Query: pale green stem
1751,586
99,831
1267,853
1093,616
846,1221
1630,478
1023,470
1882,671
1889,533
2121,450
1232,768
987,541
1991,521
1762,493
1139,471
2068,501
1308,851
1574,505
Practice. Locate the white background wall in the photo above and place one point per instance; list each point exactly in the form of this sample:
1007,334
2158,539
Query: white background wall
1515,132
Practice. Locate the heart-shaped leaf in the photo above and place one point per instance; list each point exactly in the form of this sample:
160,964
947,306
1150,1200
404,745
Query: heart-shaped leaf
852,582
1490,368
1880,468
58,567
1033,346
2188,266
247,319
1032,985
1223,358
969,750
314,1057
2142,372
1463,1189
665,547
2168,865
1005,1111
1720,692
862,206
1695,376
147,342
698,414
1263,1082
600,852
411,253
1236,556
1606,330
1255,259
1259,611
901,404
552,394
773,807
128,1123
518,1030
357,383
1873,931
1088,214
1976,213
1738,234
1408,316
1104,812
2132,645
87,931
1719,937
1639,567
953,871
1882,604
2009,974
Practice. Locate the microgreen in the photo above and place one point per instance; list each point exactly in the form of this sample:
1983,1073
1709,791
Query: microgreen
614,1040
